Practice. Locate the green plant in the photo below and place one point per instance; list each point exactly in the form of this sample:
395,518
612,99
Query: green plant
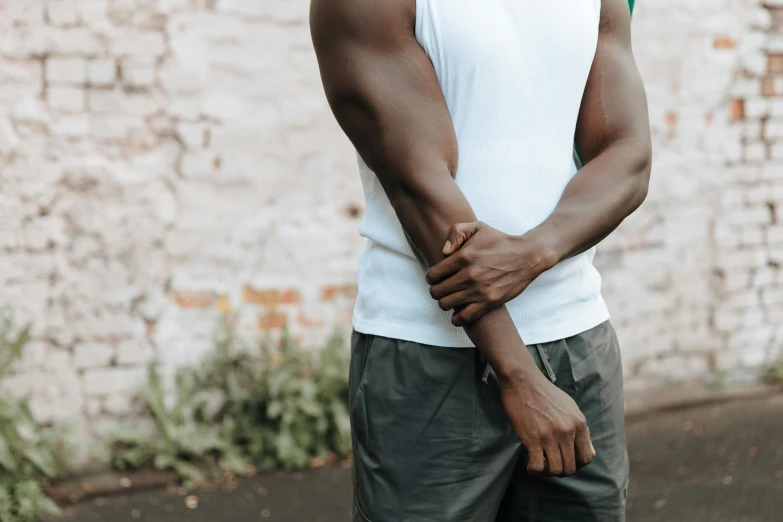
274,405
774,373
29,453
284,405
180,442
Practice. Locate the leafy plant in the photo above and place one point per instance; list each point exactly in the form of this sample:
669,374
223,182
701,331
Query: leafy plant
190,448
273,405
774,374
30,454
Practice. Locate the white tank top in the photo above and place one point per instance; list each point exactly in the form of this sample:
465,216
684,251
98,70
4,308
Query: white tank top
513,73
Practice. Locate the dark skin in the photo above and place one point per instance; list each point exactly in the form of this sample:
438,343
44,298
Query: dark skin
385,95
486,268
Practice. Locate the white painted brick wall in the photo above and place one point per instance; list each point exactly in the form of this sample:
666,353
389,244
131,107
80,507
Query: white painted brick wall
166,162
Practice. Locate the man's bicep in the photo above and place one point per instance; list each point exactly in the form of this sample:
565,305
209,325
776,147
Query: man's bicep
383,90
614,104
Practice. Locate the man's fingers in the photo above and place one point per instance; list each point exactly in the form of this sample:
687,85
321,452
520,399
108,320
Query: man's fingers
450,302
458,234
448,286
469,314
443,270
567,451
584,448
554,461
535,461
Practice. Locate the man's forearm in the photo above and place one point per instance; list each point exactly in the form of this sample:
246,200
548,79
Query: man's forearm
427,214
598,198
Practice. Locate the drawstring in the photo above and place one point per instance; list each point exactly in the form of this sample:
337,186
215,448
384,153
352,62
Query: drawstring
545,360
550,373
487,371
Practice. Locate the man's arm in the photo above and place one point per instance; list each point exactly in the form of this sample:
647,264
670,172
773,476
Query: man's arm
385,95
486,268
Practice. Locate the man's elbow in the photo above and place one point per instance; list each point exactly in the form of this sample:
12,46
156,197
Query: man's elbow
641,174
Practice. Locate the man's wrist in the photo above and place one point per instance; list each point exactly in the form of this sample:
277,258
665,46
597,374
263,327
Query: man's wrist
542,246
518,370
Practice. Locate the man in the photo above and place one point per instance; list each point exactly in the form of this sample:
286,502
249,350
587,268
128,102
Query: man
463,110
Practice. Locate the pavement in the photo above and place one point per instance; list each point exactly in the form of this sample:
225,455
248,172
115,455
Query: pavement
717,463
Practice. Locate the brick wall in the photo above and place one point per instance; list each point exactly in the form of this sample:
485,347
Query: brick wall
687,275
167,162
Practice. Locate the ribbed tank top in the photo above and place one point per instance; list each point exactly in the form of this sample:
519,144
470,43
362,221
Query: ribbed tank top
513,73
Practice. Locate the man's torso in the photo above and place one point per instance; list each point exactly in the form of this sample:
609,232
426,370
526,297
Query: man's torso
512,74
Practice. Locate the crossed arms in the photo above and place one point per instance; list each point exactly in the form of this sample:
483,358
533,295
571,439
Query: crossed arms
385,95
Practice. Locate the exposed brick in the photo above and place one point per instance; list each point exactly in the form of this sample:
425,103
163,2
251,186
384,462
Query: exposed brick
188,300
224,304
332,292
272,321
723,42
308,322
775,63
768,86
271,298
737,109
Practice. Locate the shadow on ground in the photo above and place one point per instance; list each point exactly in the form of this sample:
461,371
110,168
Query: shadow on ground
710,464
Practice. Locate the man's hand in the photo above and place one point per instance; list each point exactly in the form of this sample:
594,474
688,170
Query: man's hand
549,424
484,269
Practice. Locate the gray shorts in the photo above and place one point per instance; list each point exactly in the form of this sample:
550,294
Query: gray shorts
432,443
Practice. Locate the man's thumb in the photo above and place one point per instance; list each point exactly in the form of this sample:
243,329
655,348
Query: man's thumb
458,235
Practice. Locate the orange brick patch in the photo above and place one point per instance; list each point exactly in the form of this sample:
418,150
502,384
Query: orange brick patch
271,298
768,86
775,63
332,292
723,42
191,300
737,109
307,322
223,304
272,321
